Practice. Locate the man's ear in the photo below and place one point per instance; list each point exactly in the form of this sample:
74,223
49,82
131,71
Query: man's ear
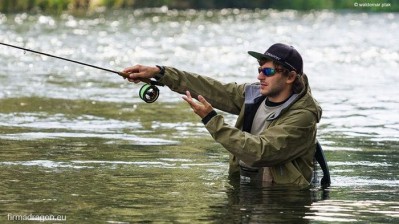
291,77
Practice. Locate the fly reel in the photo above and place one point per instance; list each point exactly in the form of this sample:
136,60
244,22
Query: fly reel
149,93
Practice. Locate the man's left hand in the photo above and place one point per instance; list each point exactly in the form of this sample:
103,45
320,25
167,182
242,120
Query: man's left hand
201,108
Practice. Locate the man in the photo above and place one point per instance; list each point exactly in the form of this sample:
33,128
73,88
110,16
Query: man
274,139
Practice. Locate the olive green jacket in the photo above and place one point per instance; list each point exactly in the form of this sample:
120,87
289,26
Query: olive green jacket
287,145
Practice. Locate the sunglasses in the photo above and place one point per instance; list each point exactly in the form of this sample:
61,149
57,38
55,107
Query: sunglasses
269,71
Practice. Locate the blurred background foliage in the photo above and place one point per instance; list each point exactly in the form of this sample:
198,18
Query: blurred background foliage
58,6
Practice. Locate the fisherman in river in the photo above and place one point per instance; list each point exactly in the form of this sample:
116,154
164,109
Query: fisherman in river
274,139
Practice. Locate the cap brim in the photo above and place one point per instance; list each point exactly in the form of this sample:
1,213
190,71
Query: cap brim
259,56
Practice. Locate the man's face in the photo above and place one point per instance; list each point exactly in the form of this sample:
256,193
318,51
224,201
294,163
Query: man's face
271,86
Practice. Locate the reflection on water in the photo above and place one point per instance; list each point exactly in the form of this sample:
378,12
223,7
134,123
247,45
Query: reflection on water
349,211
79,142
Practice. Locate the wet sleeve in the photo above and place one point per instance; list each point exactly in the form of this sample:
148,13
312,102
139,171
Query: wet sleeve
226,97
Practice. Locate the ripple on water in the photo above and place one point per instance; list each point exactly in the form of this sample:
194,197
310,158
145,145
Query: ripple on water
163,163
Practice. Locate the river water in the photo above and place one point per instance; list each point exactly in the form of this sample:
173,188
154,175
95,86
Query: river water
78,142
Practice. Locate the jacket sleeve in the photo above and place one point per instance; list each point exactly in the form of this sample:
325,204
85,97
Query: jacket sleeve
285,141
226,97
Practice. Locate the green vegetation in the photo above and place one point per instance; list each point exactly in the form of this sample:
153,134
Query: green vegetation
58,6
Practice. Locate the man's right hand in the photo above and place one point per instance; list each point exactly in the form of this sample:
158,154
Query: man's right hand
138,73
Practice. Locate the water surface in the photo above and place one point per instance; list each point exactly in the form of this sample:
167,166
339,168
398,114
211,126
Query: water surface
79,142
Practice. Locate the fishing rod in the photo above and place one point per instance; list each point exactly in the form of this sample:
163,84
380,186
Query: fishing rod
148,92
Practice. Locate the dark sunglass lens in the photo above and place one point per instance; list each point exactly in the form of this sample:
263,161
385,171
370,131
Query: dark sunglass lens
267,71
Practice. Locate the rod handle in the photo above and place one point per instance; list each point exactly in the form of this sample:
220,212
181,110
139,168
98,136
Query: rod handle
148,81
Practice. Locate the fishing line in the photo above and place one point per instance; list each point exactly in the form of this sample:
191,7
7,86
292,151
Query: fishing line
148,92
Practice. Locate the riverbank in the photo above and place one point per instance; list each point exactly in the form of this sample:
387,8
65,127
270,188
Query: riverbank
58,6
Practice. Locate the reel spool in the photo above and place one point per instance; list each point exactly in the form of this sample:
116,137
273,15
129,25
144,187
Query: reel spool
149,93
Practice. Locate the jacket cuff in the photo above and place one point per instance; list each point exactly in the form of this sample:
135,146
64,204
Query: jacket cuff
208,117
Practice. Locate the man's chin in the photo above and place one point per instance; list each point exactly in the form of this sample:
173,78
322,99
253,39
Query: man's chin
263,92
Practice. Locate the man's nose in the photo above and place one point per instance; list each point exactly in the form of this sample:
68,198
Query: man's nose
261,76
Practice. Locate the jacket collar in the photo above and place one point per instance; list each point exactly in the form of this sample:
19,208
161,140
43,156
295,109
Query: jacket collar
253,99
